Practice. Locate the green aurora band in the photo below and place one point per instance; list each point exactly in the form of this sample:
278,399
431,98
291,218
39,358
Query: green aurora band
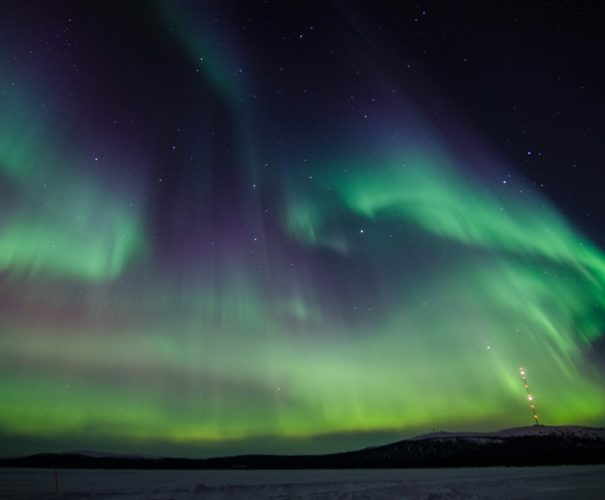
509,285
397,293
49,206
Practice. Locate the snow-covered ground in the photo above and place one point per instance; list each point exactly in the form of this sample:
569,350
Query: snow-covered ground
569,482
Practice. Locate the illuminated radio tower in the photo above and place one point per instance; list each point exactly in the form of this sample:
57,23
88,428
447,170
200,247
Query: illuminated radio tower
530,398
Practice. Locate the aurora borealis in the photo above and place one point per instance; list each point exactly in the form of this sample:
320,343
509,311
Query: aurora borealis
235,227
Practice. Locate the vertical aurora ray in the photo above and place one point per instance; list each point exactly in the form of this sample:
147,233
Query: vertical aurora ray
246,270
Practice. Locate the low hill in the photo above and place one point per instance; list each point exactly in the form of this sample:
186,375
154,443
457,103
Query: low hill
521,446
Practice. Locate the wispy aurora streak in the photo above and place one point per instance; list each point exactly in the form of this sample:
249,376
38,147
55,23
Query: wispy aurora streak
55,218
380,289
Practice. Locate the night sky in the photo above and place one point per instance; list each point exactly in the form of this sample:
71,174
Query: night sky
233,227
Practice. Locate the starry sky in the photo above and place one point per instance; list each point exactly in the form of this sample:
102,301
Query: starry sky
297,227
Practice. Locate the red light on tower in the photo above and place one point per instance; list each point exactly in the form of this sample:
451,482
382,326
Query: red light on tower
530,398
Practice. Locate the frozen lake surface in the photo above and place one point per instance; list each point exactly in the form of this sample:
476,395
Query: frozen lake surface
570,482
